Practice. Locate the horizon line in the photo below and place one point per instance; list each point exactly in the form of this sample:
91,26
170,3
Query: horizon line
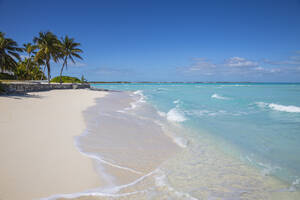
189,82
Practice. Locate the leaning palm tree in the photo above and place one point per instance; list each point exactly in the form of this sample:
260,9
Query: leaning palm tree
49,48
29,48
69,50
9,53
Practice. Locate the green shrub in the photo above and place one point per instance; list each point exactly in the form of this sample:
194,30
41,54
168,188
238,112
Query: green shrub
65,79
5,76
1,88
29,70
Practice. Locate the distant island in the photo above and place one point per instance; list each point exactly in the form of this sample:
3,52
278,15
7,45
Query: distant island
107,82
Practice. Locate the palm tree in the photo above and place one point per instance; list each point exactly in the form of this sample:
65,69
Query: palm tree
49,48
69,50
29,48
29,70
9,53
41,62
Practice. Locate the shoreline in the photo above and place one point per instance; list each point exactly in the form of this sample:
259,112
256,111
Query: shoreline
124,141
266,186
125,157
128,149
38,158
60,161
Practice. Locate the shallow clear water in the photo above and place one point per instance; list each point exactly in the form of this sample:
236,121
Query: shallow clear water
257,124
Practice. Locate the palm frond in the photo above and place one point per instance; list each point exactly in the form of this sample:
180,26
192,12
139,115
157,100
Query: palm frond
69,49
8,52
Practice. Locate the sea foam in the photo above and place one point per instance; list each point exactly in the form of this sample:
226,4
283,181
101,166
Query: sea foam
175,115
278,107
216,96
139,98
98,158
161,182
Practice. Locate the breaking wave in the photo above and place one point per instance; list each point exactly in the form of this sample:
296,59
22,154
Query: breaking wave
216,96
278,107
175,115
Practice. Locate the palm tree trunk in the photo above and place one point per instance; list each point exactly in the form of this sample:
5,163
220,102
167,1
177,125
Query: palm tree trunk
29,57
44,71
62,68
61,73
48,68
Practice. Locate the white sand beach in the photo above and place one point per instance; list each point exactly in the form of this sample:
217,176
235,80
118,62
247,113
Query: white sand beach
39,157
37,152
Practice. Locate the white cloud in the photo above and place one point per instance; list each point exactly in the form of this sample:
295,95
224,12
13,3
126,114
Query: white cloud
236,66
259,69
295,59
275,70
111,71
77,64
266,70
240,62
292,60
201,65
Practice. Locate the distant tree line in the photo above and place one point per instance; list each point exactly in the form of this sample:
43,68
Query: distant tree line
46,47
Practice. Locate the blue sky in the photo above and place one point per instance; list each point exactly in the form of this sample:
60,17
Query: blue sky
254,40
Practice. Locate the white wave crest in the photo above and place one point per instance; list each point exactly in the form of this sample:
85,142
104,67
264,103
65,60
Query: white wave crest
175,115
162,114
278,107
161,182
267,169
236,85
176,101
216,96
200,113
139,98
295,185
161,89
88,194
180,142
99,159
107,192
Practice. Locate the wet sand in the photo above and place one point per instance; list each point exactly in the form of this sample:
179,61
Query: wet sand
129,145
198,171
77,144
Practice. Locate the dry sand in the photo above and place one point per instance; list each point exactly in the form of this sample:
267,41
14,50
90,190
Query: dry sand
37,152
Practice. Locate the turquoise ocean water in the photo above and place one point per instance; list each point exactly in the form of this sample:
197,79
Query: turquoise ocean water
257,124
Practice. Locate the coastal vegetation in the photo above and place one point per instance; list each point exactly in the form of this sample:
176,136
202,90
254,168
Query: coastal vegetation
30,61
9,53
69,49
1,88
5,76
29,70
65,79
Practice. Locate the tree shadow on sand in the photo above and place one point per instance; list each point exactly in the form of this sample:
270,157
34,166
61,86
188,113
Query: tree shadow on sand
22,96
